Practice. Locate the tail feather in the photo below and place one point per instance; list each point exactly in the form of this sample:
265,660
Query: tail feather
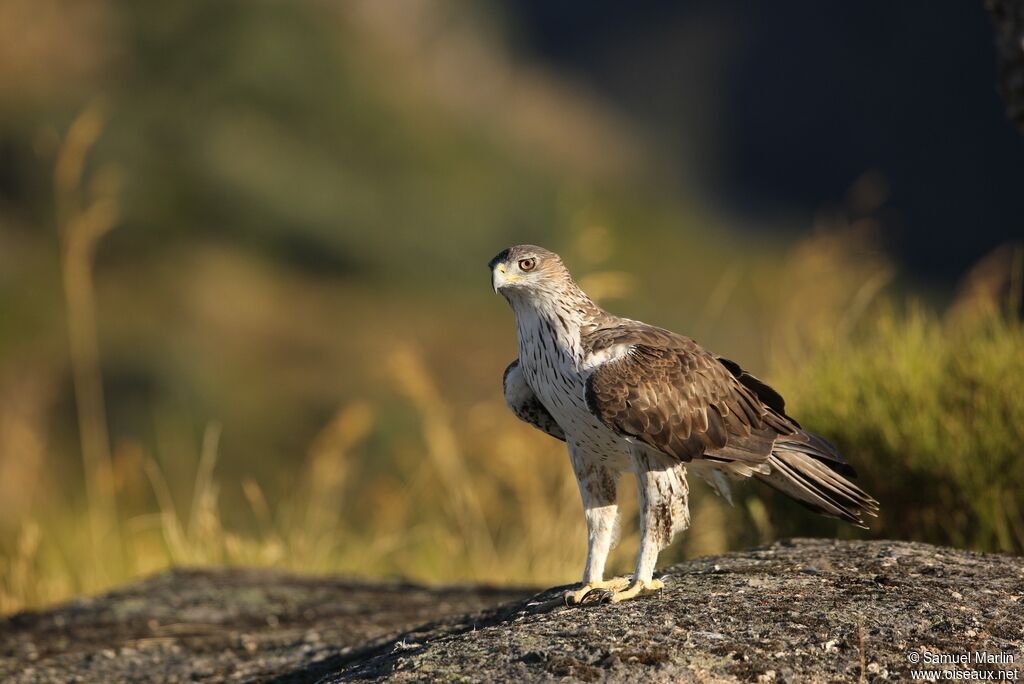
818,448
804,470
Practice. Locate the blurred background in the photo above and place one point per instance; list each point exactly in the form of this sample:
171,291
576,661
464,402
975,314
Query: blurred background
245,315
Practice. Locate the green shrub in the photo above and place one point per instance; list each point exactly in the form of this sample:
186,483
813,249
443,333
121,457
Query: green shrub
931,414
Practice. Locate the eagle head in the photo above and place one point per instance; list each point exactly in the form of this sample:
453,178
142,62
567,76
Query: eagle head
527,269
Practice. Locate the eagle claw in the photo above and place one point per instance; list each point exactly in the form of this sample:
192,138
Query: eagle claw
597,592
614,591
597,596
637,588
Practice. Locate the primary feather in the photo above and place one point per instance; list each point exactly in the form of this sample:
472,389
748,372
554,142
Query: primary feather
671,394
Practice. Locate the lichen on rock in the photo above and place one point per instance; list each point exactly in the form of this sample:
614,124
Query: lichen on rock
799,610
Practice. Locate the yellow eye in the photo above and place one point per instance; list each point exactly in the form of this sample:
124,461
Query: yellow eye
527,264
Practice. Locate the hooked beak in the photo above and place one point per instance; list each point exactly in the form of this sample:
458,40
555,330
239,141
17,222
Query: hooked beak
498,276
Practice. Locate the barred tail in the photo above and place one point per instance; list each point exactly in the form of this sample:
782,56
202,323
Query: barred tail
808,469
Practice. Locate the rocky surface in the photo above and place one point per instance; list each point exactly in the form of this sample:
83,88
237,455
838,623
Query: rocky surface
801,610
222,626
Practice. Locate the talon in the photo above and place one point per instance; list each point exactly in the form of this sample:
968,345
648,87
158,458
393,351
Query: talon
637,588
597,596
596,592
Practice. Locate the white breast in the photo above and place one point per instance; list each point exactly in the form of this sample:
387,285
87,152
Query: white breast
554,367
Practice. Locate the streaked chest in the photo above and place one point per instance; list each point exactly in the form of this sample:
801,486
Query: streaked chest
551,359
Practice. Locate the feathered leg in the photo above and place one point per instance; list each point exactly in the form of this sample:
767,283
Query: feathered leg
597,485
664,510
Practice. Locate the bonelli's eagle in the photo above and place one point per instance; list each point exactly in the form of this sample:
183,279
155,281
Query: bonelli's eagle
625,395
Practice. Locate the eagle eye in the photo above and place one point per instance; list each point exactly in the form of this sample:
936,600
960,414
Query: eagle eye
527,264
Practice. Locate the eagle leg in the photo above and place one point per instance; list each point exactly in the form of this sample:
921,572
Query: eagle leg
598,488
664,510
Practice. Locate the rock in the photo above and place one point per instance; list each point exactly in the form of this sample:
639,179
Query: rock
222,625
800,610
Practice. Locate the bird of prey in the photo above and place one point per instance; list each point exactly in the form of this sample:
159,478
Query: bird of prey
627,396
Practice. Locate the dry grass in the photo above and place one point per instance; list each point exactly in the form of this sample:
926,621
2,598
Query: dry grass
408,480
509,514
84,216
930,411
926,406
472,495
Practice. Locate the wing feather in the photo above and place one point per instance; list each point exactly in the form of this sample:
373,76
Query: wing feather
671,394
766,394
525,404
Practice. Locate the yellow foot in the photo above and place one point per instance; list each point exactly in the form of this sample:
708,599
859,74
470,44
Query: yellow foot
637,588
596,592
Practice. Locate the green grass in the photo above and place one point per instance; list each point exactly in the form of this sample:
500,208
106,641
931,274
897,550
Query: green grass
297,208
930,412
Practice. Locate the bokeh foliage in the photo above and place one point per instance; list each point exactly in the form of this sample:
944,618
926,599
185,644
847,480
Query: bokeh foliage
930,411
268,240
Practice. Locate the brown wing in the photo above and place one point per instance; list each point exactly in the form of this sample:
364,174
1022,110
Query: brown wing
768,396
671,394
813,445
525,404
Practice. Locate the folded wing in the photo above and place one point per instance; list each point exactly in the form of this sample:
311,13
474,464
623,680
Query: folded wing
664,390
669,393
525,404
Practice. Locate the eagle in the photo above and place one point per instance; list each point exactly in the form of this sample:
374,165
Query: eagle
628,396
